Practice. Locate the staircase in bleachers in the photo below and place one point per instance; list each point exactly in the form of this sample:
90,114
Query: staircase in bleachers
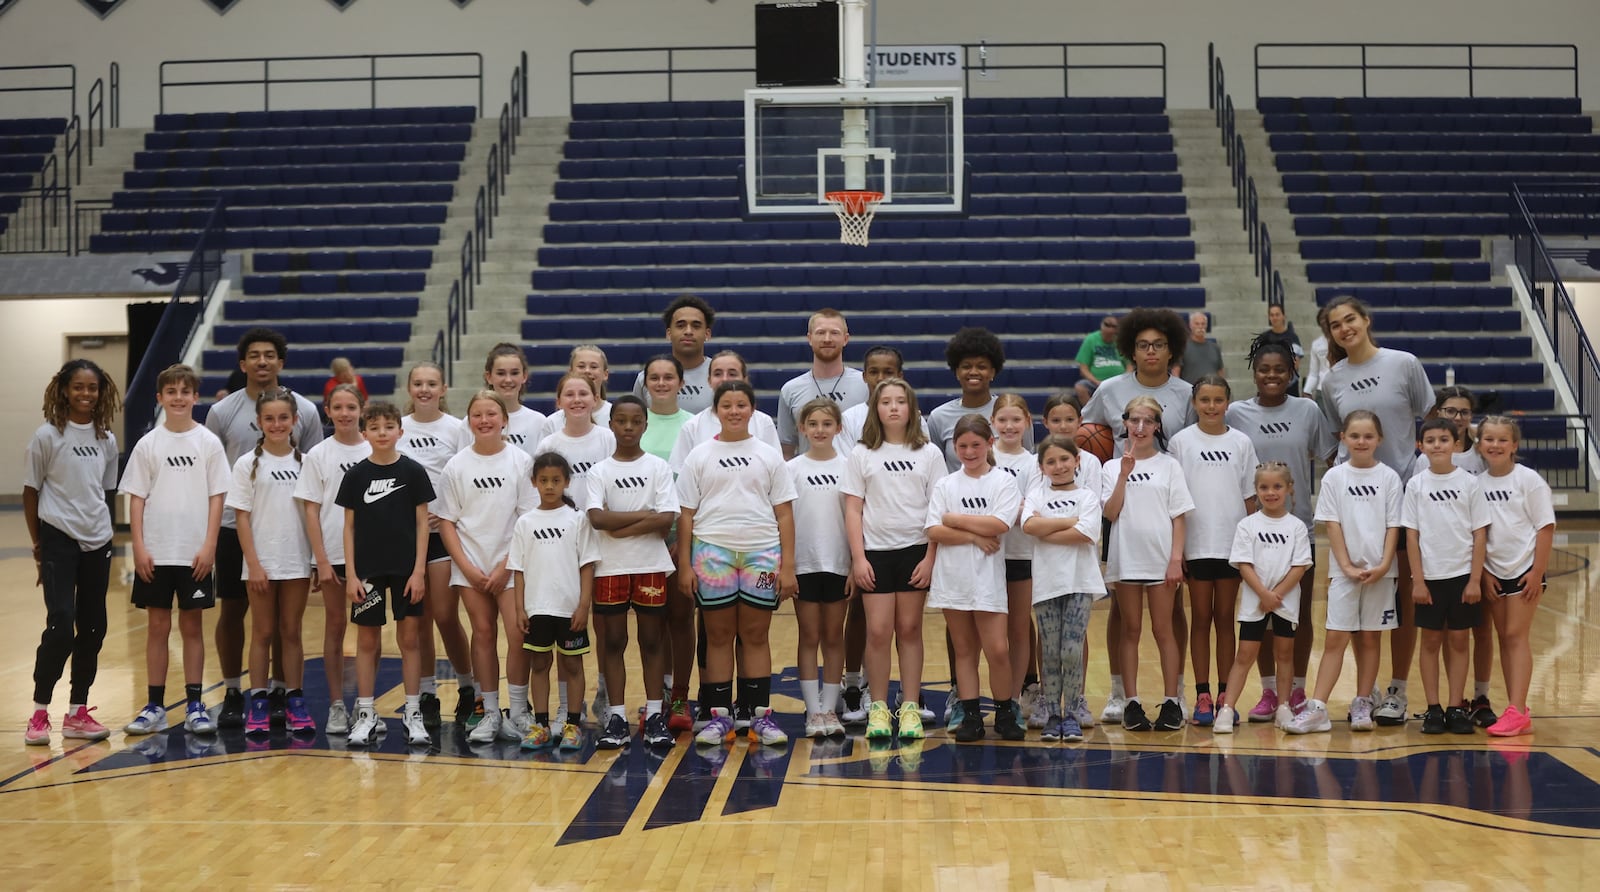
1076,211
339,211
25,143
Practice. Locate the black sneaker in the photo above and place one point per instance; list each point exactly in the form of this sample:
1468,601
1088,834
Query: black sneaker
429,706
278,707
1005,721
616,735
1133,717
1483,714
1433,721
743,716
1458,721
1170,718
656,732
231,716
852,699
971,727
466,698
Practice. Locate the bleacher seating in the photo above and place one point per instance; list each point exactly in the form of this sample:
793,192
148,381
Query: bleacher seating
1076,210
25,143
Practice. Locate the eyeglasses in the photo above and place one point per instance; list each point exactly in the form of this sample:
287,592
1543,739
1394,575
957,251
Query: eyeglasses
1140,422
1455,413
1149,346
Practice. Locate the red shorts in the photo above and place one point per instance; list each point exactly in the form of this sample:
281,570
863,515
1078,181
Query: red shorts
645,592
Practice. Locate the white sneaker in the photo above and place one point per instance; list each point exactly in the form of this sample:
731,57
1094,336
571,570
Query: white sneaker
858,716
1028,695
1112,714
1081,712
1283,716
1394,710
361,731
1311,720
338,719
601,704
416,732
831,725
1223,724
150,719
488,729
815,726
1361,714
1038,712
924,712
516,727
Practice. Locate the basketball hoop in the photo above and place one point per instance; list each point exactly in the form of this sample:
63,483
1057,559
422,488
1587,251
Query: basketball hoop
854,208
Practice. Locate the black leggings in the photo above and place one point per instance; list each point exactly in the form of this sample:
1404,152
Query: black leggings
74,584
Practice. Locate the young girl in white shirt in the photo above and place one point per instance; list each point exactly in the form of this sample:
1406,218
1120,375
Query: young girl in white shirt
1359,507
969,512
1218,462
1065,519
277,559
317,492
1012,422
431,438
737,529
590,361
822,564
725,366
1146,498
483,490
1521,535
505,371
1063,415
1272,551
888,483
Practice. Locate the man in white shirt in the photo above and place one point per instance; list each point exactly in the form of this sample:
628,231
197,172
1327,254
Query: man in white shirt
688,321
827,334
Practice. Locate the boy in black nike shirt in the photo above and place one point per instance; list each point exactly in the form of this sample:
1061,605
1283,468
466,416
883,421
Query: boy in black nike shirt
385,500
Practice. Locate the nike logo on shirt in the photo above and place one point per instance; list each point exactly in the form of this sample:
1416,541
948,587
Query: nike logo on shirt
377,489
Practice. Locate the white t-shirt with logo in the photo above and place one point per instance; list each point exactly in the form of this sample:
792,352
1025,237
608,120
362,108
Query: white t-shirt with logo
550,548
1141,536
1393,386
483,495
895,483
277,527
1220,471
1294,433
1023,468
1445,510
705,426
732,488
1365,503
432,444
819,539
524,429
643,484
582,453
558,420
1066,569
852,422
320,475
964,578
1519,507
176,474
1271,546
72,470
233,420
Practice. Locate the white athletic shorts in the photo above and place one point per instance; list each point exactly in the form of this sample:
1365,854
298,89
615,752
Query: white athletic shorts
1353,607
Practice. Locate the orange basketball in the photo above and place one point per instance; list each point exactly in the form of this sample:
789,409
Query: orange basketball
1096,439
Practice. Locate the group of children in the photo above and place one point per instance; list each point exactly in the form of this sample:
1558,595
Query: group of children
540,525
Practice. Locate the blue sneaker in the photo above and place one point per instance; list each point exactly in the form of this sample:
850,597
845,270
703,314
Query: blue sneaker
1204,711
1068,730
954,715
258,718
197,720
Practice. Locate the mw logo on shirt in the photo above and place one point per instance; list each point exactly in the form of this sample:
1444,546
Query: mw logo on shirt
834,395
1140,477
823,480
1060,505
978,502
899,466
1273,538
734,461
579,468
423,442
1498,495
86,451
489,482
1272,428
1362,491
515,439
181,461
347,465
631,482
285,476
1216,456
1445,495
1011,471
690,390
1365,384
548,534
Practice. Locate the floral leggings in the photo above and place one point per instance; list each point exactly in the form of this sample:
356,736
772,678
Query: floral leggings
1063,626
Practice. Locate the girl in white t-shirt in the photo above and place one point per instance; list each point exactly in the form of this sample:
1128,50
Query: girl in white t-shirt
1146,498
1218,462
70,465
1521,535
277,559
1272,550
1065,519
552,558
1011,422
737,530
725,366
888,483
822,564
505,371
590,361
1063,415
1359,507
317,492
482,492
969,512
431,438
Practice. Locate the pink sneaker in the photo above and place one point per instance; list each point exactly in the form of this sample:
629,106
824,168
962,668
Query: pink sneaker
82,726
1512,723
1297,700
1266,708
38,733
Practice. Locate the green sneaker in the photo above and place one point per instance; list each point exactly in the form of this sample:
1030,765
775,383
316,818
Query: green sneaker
879,725
477,714
910,719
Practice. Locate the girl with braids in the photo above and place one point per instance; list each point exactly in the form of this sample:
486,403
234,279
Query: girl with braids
1292,430
277,558
70,465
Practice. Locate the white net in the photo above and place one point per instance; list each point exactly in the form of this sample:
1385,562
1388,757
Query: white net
855,210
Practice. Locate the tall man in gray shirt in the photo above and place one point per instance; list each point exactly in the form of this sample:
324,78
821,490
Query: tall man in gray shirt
829,377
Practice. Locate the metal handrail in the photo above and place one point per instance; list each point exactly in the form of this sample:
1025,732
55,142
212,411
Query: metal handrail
116,95
1245,195
1471,66
97,116
267,80
72,149
70,87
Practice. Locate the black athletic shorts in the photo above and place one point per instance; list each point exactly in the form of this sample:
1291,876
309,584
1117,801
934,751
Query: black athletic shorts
1256,630
173,584
891,570
821,588
380,589
547,633
1018,570
1210,569
229,568
1448,611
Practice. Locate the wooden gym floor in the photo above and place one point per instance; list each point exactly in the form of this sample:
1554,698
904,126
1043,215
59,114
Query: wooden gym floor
1119,811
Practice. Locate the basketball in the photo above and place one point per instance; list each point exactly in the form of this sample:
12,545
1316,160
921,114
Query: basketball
1097,439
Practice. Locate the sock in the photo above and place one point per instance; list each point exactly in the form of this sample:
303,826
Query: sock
851,680
413,703
259,692
1433,706
750,696
1202,687
1480,689
465,680
973,709
430,685
296,692
600,689
1172,700
491,702
233,684
703,699
1222,688
717,695
1399,685
519,700
810,692
1300,682
191,694
1116,688
666,682
652,707
575,718
1029,680
1270,683
763,694
829,697
620,711
158,694
561,696
364,703
1180,686
541,718
275,685
40,707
